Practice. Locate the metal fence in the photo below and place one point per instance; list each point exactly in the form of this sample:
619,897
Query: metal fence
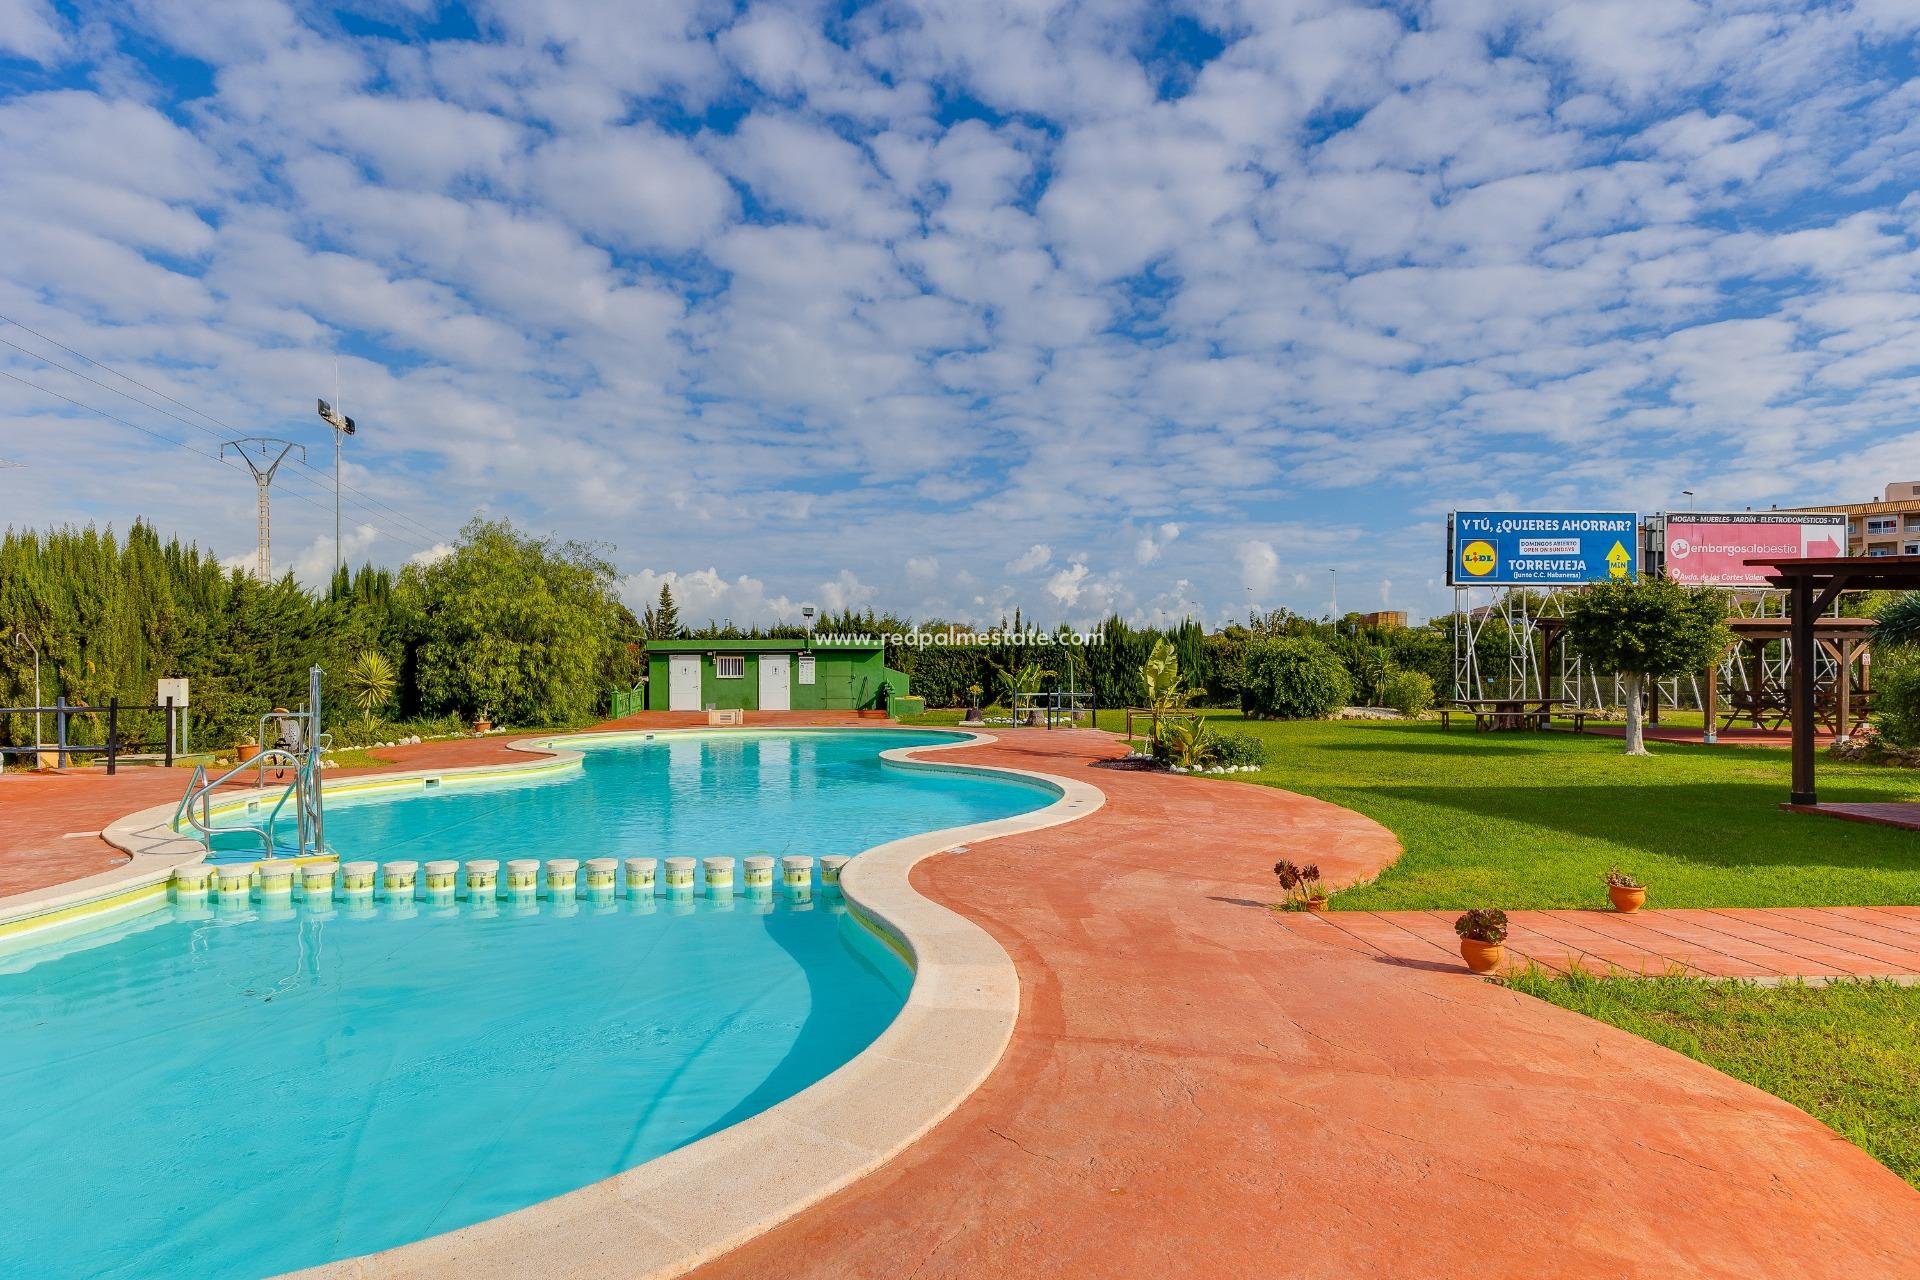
114,746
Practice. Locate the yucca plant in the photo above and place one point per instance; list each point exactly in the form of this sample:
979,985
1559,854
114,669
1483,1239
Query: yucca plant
370,681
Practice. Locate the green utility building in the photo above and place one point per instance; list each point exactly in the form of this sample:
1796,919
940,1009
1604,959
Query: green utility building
767,675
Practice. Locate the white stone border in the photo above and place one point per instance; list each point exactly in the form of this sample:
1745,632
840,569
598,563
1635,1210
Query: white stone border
667,1216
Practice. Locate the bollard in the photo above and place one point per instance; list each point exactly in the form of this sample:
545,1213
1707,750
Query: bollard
316,879
719,872
482,874
561,874
398,878
523,875
640,873
600,873
679,873
233,878
796,870
192,881
357,877
759,872
276,879
440,875
830,868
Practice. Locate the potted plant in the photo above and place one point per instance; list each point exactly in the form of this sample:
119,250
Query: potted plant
1302,886
246,749
1483,933
483,723
973,702
1628,894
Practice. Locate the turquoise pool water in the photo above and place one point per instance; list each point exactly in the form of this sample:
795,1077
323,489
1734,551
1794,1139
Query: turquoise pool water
238,1090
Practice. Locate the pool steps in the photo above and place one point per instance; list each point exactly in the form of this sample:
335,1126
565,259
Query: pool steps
442,880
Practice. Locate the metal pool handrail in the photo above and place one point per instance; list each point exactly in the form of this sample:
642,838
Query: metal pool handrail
200,789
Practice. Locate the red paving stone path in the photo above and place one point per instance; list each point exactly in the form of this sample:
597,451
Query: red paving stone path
50,822
1765,945
1194,1089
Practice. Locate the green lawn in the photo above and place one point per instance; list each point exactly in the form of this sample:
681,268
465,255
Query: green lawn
1843,1052
1532,819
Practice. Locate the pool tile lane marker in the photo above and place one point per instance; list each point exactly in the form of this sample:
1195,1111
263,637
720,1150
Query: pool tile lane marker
672,1213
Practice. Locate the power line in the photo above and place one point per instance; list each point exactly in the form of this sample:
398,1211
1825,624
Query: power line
182,444
367,501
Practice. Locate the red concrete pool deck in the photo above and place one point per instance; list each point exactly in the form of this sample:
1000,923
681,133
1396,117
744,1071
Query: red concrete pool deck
1199,1086
1764,944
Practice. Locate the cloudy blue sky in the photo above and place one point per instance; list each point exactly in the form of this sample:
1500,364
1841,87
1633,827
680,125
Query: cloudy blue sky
952,305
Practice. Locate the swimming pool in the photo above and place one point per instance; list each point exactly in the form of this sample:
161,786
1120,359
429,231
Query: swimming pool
240,1090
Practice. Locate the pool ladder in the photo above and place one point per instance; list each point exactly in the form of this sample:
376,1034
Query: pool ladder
303,749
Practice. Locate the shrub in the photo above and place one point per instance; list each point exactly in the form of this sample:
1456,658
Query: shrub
1236,749
1408,692
1482,925
1294,678
1896,697
1301,884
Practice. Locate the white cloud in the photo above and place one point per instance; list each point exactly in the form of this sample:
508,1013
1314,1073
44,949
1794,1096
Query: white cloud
1259,567
1147,548
1031,560
1065,587
30,29
922,569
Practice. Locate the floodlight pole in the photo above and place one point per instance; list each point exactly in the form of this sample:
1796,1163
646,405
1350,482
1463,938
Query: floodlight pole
1336,599
343,426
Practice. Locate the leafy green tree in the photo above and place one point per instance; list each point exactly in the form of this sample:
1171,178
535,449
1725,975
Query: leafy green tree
1645,630
512,624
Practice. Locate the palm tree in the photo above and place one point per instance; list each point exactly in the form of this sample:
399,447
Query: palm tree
1899,622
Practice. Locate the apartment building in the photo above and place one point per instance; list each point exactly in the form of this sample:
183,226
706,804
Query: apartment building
1887,527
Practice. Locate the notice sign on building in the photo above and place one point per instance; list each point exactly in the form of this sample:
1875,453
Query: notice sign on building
1710,549
1541,548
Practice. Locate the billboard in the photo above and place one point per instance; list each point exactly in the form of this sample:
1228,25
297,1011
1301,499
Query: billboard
1541,548
1708,549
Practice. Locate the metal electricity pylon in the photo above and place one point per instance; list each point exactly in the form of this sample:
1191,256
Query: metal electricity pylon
262,477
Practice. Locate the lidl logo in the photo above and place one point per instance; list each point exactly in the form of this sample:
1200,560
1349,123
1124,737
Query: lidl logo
1478,558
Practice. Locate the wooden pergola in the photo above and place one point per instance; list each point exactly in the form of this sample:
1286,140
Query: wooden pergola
1812,586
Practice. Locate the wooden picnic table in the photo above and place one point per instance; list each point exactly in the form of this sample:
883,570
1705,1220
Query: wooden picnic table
1493,714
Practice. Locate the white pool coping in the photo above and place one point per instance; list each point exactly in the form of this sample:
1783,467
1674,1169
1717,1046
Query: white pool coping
669,1215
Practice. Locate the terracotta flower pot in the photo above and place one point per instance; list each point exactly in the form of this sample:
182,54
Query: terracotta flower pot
1626,901
1317,904
483,726
245,751
1482,957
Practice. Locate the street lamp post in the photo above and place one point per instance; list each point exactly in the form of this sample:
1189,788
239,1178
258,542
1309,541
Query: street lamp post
342,428
1336,598
20,638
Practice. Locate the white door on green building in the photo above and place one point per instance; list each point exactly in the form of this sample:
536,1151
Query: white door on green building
776,682
683,682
